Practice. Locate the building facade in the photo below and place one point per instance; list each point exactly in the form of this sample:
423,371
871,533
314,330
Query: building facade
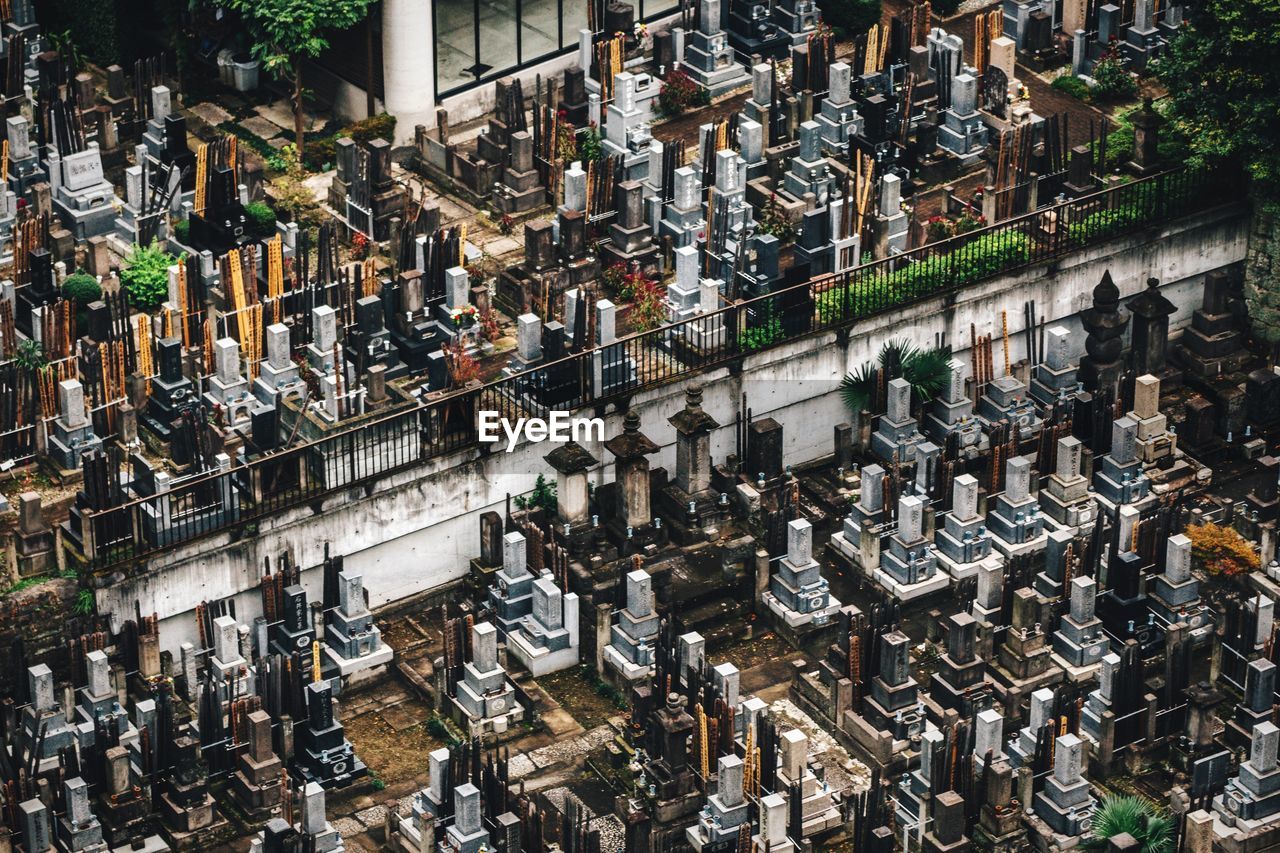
421,54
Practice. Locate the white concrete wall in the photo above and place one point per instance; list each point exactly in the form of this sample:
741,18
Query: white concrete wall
418,529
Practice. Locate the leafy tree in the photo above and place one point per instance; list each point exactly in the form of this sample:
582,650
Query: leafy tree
1138,816
285,32
1221,550
1224,84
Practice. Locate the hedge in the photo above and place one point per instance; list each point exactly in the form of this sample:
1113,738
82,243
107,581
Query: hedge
986,257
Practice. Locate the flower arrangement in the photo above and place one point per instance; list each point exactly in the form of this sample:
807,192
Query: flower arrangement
649,306
774,221
465,316
614,275
632,282
359,246
642,35
506,225
566,137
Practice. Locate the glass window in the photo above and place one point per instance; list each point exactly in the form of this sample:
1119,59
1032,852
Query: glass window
455,43
575,18
539,29
497,38
653,8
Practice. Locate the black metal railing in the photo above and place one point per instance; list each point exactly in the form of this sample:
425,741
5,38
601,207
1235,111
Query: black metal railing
305,473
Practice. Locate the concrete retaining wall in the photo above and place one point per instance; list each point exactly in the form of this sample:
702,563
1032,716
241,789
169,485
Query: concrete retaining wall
418,529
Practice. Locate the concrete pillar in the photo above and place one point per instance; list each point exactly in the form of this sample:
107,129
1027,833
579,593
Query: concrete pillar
408,65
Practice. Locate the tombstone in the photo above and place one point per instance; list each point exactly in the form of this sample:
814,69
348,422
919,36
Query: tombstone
72,435
546,640
896,436
964,543
1119,479
485,693
708,58
1080,641
799,598
1014,516
352,641
632,639
764,449
1065,803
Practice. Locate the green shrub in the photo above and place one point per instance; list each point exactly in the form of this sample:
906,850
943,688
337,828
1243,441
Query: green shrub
1119,149
1104,223
30,355
590,145
1073,86
381,126
262,219
145,276
102,29
182,231
1112,81
965,265
81,288
85,603
322,147
321,152
543,495
766,333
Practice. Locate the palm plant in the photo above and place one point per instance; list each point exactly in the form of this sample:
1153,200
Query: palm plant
925,369
1138,816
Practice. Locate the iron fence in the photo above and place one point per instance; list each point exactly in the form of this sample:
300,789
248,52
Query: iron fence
303,474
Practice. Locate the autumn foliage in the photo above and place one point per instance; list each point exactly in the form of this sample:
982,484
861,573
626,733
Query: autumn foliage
1221,550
